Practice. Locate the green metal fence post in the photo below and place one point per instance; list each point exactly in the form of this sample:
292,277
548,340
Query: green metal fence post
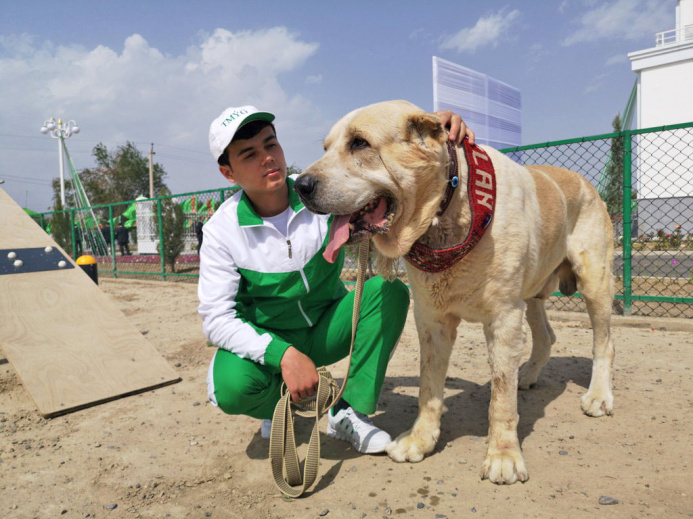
627,223
161,239
111,231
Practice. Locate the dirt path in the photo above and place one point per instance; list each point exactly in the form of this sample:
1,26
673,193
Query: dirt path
167,453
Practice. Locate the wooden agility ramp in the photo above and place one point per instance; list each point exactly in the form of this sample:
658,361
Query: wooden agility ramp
69,343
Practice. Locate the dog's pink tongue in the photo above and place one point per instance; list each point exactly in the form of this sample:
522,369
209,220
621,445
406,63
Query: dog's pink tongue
339,234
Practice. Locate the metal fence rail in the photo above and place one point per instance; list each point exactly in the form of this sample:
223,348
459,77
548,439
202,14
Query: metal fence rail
650,169
161,233
653,227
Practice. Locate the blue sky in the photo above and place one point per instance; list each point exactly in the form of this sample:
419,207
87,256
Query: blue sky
159,72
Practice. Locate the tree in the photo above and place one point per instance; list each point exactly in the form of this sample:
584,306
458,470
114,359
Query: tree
612,191
173,223
293,170
69,194
118,176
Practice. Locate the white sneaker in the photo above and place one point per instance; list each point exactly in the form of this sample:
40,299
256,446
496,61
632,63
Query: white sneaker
358,429
266,429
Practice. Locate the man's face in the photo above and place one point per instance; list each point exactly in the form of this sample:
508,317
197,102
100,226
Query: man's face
257,164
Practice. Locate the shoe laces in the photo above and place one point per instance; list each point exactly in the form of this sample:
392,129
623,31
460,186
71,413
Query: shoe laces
360,421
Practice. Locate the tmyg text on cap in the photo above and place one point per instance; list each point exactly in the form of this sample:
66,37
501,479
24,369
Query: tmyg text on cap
233,116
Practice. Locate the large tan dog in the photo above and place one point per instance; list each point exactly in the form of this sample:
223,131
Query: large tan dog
386,166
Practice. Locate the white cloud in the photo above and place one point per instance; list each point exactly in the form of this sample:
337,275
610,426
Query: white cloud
274,50
142,95
417,34
537,54
314,80
596,84
627,19
617,59
487,32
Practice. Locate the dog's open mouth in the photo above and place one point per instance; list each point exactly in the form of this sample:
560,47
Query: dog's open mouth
373,218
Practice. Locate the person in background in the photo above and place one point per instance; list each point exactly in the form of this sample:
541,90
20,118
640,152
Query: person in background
106,233
198,234
79,249
122,236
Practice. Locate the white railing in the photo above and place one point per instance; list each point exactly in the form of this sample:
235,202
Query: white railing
674,36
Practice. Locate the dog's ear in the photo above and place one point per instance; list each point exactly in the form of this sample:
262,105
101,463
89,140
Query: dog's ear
424,126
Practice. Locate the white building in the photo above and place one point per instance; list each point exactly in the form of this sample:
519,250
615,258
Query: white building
664,162
148,227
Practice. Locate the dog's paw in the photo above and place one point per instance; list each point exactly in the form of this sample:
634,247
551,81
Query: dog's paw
527,376
412,447
505,467
597,403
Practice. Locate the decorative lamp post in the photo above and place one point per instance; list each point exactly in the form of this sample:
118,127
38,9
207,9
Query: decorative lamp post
60,132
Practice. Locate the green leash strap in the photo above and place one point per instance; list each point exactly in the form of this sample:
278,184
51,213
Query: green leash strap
283,454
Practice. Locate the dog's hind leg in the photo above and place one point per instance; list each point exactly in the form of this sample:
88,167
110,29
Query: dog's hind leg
542,340
592,268
437,334
504,463
598,295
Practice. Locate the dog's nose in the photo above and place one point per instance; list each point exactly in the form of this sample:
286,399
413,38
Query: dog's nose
305,185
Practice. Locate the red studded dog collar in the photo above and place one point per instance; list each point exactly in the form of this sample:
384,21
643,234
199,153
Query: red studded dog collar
481,189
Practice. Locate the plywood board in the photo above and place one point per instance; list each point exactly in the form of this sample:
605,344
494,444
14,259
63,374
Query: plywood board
69,343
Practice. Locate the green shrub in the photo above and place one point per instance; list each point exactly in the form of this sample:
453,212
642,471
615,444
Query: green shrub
173,223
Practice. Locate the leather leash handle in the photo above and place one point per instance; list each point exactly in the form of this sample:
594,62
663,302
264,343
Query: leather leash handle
283,454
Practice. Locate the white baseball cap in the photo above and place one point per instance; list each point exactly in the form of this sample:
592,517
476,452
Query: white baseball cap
224,127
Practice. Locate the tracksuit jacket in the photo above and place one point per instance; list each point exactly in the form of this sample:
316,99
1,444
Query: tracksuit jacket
290,289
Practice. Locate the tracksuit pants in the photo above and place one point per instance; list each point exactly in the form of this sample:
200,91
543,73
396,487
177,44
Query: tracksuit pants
241,386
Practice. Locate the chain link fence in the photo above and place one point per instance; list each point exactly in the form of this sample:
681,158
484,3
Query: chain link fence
646,179
154,238
644,176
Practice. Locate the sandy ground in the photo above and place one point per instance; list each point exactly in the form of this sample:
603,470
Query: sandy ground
168,453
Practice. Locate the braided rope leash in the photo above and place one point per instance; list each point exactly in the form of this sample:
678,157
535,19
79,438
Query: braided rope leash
286,467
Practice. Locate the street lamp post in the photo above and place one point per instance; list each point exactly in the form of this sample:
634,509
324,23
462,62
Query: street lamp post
60,132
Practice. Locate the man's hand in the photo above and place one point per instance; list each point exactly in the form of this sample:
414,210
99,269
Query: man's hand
299,373
455,126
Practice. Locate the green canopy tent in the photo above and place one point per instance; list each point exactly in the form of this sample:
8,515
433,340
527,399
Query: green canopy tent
130,216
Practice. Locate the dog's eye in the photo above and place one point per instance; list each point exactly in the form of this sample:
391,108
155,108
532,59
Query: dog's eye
359,144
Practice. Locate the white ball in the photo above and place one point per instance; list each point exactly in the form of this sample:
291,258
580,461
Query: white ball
62,263
12,255
48,249
18,263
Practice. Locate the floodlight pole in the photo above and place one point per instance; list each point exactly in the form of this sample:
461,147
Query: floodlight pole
60,132
61,161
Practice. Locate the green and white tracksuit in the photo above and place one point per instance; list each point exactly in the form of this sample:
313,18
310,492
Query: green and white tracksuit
261,292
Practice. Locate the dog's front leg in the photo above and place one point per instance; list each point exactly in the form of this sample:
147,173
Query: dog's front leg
436,337
504,463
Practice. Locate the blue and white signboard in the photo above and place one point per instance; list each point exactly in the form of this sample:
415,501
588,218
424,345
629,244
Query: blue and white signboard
490,107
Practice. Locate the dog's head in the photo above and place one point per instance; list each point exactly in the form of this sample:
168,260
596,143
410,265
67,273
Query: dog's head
383,174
